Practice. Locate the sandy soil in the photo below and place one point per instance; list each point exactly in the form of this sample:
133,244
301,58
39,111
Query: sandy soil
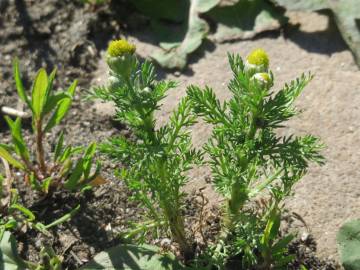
329,195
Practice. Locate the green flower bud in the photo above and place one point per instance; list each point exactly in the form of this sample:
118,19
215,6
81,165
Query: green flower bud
263,78
120,57
257,61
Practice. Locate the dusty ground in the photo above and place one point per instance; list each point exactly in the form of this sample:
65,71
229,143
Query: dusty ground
329,195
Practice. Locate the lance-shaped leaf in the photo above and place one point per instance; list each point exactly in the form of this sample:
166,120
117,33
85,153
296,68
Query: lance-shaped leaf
59,146
75,176
19,84
48,95
62,108
20,146
39,92
9,158
88,157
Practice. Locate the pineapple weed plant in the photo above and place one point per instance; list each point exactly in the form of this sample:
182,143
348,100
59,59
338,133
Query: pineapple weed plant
252,167
250,163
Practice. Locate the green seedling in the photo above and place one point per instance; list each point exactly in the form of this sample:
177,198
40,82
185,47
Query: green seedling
158,158
47,172
250,162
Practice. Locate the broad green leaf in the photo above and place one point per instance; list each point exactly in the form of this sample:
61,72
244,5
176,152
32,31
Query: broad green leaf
9,158
9,257
346,13
347,18
196,30
17,138
62,108
245,19
19,85
131,257
348,239
39,92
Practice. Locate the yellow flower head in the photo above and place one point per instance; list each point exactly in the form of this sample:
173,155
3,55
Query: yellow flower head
258,57
120,47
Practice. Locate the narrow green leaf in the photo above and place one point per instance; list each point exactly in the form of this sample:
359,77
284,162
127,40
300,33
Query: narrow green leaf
62,109
19,85
46,184
75,176
53,101
30,216
64,218
17,138
59,146
65,154
8,157
50,82
35,183
89,153
39,92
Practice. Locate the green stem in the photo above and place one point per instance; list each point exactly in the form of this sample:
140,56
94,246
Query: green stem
143,227
264,184
40,147
177,228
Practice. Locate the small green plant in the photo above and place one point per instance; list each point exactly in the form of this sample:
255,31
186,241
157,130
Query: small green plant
158,159
251,163
14,217
44,172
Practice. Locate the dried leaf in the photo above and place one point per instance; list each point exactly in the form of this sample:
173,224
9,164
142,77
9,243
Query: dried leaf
98,181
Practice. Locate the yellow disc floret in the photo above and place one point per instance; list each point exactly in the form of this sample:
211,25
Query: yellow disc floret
120,47
258,57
